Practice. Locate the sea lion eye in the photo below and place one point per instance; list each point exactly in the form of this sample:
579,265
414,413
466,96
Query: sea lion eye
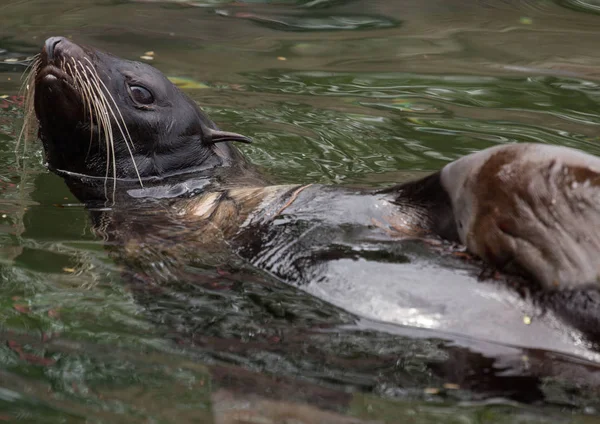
141,95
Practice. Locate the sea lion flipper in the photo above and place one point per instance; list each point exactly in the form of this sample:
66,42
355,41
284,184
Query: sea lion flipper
537,206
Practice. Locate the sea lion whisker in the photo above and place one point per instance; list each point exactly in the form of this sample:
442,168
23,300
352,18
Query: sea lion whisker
110,147
125,137
79,86
33,64
83,79
89,88
125,133
87,99
105,108
85,82
86,95
106,126
32,60
96,116
29,87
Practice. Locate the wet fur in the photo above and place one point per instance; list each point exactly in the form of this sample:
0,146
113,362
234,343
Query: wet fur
174,141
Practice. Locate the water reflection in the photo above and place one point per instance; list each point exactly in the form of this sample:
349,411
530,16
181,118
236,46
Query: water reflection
581,5
364,92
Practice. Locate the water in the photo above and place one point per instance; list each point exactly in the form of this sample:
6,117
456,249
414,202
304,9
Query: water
359,92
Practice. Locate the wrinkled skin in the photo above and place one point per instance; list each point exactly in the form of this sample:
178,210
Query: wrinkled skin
531,205
533,209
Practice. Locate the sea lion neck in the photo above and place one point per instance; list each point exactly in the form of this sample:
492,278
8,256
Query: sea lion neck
102,116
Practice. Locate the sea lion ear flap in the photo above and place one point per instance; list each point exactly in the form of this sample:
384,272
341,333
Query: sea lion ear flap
216,136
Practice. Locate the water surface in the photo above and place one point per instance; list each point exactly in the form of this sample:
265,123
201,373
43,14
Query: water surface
363,92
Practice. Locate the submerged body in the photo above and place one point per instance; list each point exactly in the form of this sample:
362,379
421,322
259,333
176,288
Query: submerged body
533,209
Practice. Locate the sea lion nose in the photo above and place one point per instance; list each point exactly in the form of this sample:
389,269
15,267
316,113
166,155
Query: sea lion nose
50,46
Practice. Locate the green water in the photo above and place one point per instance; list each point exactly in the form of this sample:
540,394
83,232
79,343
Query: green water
362,92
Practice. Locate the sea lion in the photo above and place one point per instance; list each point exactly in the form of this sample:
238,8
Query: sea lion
119,131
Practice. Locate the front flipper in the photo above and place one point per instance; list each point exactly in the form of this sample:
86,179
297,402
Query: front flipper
534,206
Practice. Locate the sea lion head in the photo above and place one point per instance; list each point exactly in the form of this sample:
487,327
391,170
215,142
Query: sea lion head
103,116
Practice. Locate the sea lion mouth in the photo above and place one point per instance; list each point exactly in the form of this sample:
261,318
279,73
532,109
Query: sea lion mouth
57,98
53,81
51,74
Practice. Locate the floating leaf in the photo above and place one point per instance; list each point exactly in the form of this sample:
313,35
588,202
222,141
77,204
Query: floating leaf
24,309
451,386
187,83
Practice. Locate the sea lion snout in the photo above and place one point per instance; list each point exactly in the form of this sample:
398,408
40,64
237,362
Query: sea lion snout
59,50
56,73
50,46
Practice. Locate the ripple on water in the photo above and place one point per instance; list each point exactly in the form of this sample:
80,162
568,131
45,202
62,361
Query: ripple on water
592,6
208,3
79,341
380,123
315,22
